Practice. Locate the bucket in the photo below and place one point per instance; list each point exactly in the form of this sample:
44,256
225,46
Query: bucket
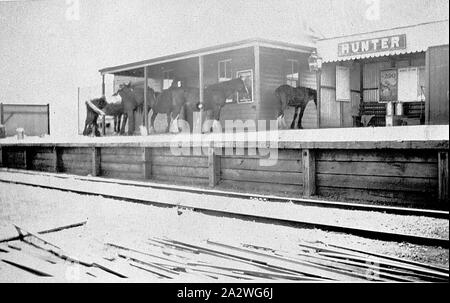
2,131
399,109
389,109
20,133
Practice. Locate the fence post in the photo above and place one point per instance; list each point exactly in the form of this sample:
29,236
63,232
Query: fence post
96,161
56,159
48,118
309,172
213,166
443,176
27,157
147,162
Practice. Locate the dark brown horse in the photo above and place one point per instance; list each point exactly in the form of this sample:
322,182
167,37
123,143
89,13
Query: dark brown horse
132,99
116,110
90,124
216,95
174,99
297,97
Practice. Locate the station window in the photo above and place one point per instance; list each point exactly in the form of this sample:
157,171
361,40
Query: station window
224,69
224,73
292,68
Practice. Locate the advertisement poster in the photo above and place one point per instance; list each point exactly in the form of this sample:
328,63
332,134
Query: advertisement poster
388,85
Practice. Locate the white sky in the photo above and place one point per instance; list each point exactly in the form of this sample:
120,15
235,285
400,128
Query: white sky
44,56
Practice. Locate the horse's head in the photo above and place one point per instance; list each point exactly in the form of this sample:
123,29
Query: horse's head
101,102
123,87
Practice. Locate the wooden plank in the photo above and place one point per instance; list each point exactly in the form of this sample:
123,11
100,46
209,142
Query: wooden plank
96,161
195,161
262,176
147,162
376,182
309,172
400,169
128,151
77,150
374,196
213,167
77,157
421,156
261,187
180,171
122,175
119,158
443,176
294,165
123,167
194,181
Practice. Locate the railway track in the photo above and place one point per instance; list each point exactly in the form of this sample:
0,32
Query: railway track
218,210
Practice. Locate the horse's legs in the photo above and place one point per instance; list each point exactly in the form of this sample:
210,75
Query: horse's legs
295,117
300,116
124,123
169,119
152,120
131,123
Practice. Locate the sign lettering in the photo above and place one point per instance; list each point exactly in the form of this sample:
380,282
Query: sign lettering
381,44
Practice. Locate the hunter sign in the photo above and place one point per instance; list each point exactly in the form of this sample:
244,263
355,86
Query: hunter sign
381,44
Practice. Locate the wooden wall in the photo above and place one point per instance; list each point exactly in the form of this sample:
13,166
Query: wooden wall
408,177
383,176
245,172
241,59
437,85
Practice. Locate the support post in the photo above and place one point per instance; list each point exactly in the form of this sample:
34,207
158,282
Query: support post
146,98
96,160
3,157
256,53
201,90
48,118
147,162
309,172
2,116
27,157
319,94
103,117
213,166
56,159
443,176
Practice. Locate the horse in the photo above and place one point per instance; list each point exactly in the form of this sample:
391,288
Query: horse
115,109
172,100
215,95
90,124
297,97
133,98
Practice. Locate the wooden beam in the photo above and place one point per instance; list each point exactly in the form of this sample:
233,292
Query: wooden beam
443,176
96,161
256,53
309,172
28,157
201,88
319,94
48,117
213,166
3,156
147,162
103,117
146,98
57,160
1,113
